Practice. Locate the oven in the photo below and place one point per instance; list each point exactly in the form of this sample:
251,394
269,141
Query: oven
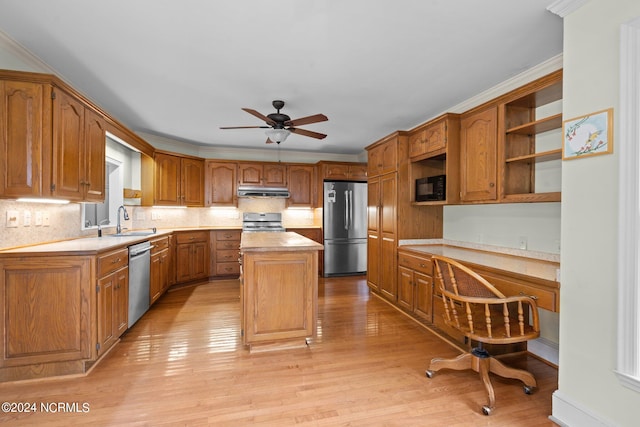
262,221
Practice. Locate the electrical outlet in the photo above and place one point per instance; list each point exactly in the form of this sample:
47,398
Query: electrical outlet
27,219
12,219
38,221
45,218
522,242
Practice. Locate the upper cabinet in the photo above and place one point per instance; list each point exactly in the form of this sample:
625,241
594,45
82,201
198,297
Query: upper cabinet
220,183
262,174
434,150
79,139
302,180
179,180
383,157
478,156
342,171
24,119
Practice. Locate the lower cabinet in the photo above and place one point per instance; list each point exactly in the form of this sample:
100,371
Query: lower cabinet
192,255
45,315
415,285
225,251
112,291
160,264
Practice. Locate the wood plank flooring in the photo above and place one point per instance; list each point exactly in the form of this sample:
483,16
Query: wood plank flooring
183,363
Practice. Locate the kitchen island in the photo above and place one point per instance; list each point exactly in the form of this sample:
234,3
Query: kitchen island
278,289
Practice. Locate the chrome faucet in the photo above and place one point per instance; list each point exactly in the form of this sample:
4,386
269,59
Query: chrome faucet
126,218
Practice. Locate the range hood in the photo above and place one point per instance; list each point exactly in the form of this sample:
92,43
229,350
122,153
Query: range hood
272,192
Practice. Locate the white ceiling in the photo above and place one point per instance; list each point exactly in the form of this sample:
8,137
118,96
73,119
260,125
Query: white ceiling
181,69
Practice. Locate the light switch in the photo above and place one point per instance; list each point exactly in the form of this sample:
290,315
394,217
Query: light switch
12,219
522,242
38,220
26,219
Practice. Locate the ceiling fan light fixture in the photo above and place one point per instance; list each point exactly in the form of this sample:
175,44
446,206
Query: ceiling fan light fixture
277,135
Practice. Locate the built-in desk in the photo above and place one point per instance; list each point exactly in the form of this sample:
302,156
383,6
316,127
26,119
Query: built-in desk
512,275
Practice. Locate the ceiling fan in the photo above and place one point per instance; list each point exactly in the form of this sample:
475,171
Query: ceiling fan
280,125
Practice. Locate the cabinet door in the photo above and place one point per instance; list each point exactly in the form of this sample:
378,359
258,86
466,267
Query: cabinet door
388,284
478,156
249,174
374,163
275,175
405,288
192,182
155,279
21,139
167,179
220,184
435,136
388,199
423,297
121,308
107,300
336,171
165,263
183,263
95,138
302,184
68,147
389,156
373,261
45,310
200,258
358,172
373,204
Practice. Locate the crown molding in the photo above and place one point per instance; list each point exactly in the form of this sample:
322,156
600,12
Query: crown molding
563,8
24,55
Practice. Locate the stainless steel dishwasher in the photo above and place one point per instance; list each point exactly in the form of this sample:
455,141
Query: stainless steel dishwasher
139,276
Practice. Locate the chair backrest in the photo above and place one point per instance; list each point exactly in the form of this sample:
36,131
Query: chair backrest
479,310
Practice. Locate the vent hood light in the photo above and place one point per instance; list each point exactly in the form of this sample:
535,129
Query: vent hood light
48,201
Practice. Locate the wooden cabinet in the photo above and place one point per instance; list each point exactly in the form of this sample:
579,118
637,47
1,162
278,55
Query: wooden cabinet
45,315
160,263
302,185
192,256
24,121
342,171
392,216
225,250
112,298
262,174
383,157
478,155
79,140
221,183
530,141
179,180
434,149
415,284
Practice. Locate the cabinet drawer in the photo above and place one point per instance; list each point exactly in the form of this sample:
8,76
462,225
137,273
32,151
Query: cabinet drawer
423,265
227,256
158,245
112,261
228,268
545,298
192,236
228,235
228,245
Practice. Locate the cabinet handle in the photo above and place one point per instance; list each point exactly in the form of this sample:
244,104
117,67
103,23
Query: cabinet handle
116,261
422,265
491,184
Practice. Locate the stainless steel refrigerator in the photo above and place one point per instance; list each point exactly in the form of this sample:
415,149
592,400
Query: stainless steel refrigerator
345,228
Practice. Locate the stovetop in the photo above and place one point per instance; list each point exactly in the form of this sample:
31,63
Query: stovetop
262,221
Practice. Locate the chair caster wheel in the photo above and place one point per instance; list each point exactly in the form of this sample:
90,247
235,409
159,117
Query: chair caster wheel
486,410
528,389
429,373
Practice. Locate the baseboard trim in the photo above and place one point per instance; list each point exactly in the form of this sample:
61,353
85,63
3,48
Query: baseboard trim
544,349
566,412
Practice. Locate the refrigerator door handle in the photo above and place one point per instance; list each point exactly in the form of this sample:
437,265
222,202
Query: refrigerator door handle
346,210
350,209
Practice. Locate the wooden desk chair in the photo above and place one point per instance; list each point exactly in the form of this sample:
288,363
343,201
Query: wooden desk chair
482,313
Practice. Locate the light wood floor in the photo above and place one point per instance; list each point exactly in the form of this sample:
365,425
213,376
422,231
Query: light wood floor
183,364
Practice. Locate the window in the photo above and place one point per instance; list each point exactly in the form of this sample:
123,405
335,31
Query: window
628,363
105,214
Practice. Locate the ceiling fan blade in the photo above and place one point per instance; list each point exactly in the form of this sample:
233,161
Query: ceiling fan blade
268,141
305,132
245,127
260,116
307,120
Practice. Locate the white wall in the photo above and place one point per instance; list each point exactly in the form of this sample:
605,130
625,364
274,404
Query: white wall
589,392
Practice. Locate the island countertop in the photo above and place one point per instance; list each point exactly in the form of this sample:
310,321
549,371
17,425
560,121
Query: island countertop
280,241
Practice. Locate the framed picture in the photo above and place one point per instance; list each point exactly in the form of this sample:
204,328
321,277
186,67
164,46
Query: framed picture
588,135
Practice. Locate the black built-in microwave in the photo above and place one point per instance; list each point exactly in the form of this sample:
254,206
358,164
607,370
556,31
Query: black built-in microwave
432,188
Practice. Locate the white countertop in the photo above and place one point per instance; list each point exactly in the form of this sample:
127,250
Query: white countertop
269,241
